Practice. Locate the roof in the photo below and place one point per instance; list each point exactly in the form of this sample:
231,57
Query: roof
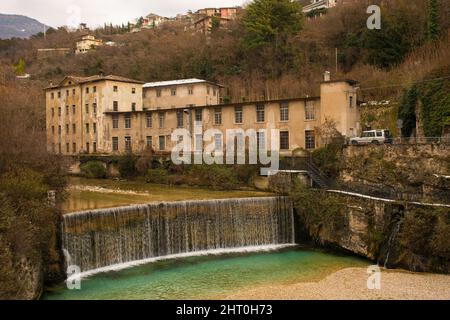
177,83
349,81
96,78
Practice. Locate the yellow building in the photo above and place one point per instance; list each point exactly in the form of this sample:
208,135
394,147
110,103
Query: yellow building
131,116
87,43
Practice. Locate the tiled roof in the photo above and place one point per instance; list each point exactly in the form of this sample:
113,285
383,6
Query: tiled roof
81,80
176,83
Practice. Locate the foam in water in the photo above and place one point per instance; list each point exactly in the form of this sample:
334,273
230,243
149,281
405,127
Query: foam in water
117,238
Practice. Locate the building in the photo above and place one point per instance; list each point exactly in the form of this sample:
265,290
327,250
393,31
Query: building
87,43
113,115
75,111
207,17
152,21
319,6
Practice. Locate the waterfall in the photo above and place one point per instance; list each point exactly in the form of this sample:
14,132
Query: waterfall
98,239
392,236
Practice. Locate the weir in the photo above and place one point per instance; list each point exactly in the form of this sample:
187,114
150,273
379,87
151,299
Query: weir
95,240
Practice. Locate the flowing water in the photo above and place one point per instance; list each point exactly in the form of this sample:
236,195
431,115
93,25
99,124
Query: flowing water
94,240
209,277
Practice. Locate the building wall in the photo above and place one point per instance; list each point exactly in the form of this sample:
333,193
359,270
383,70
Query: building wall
85,45
333,104
201,96
83,100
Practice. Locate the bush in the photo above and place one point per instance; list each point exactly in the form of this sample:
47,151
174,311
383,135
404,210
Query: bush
127,166
215,176
94,170
159,176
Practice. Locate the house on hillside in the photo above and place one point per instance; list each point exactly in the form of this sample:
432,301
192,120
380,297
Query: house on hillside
87,43
152,21
208,18
318,7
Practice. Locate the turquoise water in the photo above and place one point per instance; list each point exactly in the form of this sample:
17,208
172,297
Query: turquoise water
209,277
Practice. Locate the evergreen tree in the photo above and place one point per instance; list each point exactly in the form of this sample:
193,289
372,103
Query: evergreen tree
433,19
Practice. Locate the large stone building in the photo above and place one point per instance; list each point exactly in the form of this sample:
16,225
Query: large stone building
113,115
87,43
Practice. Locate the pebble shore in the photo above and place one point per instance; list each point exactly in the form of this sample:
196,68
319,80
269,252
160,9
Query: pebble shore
351,284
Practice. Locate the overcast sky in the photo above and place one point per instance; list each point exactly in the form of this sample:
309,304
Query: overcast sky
96,12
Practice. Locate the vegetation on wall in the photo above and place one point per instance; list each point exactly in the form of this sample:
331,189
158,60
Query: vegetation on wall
432,97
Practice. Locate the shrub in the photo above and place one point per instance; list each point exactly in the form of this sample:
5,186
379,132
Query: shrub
93,169
127,166
215,176
159,176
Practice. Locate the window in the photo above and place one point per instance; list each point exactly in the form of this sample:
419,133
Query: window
149,120
94,107
52,95
74,128
310,140
94,89
199,115
173,91
260,113
87,127
94,127
74,147
128,143
127,121
158,93
309,111
284,140
94,147
115,144
87,89
198,142
261,140
87,147
179,119
208,90
133,90
214,91
284,111
115,89
351,101
238,114
73,93
217,116
59,94
161,116
149,142
115,121
191,91
53,129
67,147
74,109
53,112
67,110
87,108
59,148
133,106
162,143
67,129
67,94
115,106
218,142
59,130
59,111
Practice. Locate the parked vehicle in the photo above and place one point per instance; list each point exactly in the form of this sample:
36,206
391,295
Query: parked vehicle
373,137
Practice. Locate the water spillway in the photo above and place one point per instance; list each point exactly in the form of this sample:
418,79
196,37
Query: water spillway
97,239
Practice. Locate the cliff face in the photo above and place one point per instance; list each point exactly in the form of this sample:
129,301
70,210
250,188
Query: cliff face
414,172
393,234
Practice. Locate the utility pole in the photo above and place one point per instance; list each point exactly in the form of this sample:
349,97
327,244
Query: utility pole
337,69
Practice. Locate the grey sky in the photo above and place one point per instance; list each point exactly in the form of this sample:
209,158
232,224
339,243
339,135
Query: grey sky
96,12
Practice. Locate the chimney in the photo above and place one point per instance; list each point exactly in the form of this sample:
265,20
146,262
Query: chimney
327,76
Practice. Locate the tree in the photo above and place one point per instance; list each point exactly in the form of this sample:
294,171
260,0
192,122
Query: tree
270,22
433,20
19,68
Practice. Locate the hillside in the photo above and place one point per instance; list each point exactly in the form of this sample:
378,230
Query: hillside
17,26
